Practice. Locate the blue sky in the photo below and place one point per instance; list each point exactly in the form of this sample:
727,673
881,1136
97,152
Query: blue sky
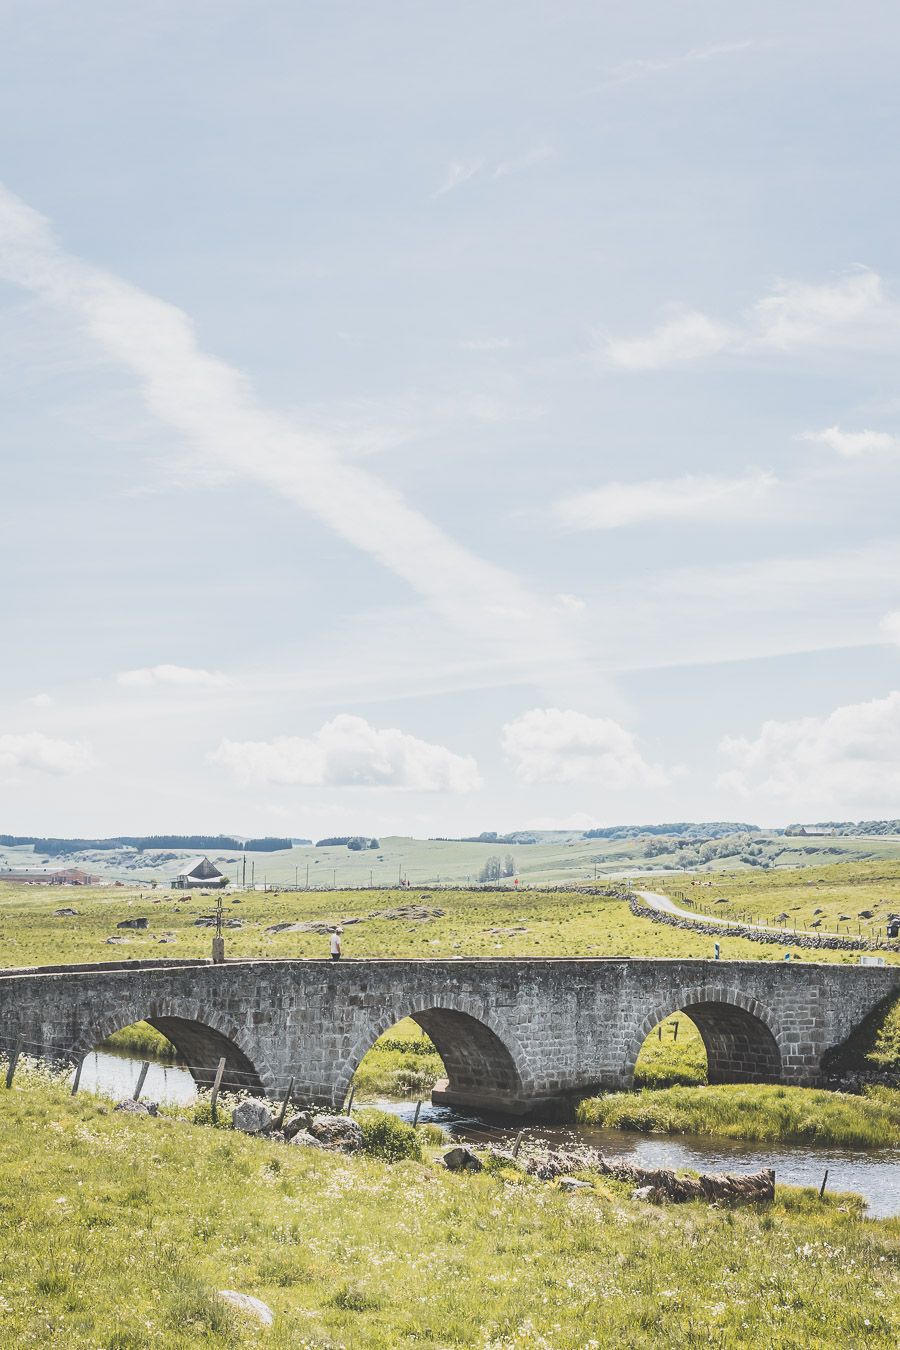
428,419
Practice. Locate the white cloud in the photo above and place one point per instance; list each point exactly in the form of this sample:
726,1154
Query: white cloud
890,627
458,172
40,701
851,755
211,405
571,604
518,163
700,497
854,311
685,337
553,745
349,752
852,443
182,677
632,70
33,750
485,344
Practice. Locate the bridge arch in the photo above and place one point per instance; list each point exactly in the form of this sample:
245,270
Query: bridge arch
485,1063
201,1036
742,1037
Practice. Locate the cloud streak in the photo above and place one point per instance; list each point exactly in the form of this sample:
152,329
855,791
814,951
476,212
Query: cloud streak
852,444
181,677
692,497
212,406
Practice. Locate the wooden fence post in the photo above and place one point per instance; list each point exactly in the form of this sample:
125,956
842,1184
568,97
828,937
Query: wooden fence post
77,1079
279,1119
13,1061
516,1146
822,1187
350,1103
145,1067
416,1116
217,1083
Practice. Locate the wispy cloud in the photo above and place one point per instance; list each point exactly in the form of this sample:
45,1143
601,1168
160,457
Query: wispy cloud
349,752
693,497
484,344
212,406
461,171
458,171
852,443
656,65
179,677
890,627
853,312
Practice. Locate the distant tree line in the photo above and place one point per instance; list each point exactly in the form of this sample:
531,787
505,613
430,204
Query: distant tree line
353,841
714,829
206,842
489,837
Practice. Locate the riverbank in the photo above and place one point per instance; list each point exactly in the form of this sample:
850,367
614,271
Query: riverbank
355,1251
754,1112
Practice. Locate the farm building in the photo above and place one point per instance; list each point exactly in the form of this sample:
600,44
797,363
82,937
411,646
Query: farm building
64,876
200,872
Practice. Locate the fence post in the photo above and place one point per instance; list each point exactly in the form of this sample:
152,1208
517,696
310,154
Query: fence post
217,1083
350,1103
279,1119
77,1078
141,1076
517,1144
822,1187
13,1061
416,1116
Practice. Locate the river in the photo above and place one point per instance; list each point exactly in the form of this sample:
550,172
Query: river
872,1173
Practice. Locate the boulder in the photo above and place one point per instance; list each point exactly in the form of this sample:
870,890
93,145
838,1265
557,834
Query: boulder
340,1133
461,1159
250,1306
133,1108
132,923
573,1184
64,913
301,1121
252,1117
304,1138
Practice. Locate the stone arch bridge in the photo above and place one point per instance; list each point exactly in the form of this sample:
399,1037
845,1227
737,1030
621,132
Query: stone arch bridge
514,1034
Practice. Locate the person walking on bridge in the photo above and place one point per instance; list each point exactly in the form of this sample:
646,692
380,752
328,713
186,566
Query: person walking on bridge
336,943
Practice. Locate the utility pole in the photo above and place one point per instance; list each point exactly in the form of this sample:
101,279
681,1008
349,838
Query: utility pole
253,874
307,876
244,879
218,942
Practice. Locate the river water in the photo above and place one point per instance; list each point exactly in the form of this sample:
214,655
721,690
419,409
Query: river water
873,1174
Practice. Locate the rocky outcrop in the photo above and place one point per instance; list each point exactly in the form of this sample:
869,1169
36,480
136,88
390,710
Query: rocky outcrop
655,1184
251,1117
341,1134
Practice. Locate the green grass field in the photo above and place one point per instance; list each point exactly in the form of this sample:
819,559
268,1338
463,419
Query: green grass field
117,1232
475,923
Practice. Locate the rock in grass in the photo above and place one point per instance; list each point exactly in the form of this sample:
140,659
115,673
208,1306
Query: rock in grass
252,1117
340,1133
301,1121
303,1138
246,1303
133,1108
573,1184
64,913
461,1159
132,923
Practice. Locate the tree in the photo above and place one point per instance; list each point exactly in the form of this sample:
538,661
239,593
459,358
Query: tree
491,870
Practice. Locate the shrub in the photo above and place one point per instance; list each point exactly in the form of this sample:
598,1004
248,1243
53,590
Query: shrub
387,1137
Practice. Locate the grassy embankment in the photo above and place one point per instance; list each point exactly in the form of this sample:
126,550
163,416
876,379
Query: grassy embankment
116,1231
767,1114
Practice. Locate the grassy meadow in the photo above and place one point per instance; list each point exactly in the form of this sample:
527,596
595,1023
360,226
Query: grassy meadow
117,1232
528,922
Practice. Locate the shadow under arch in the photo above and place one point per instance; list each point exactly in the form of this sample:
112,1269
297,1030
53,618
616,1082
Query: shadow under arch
740,1035
201,1043
485,1068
